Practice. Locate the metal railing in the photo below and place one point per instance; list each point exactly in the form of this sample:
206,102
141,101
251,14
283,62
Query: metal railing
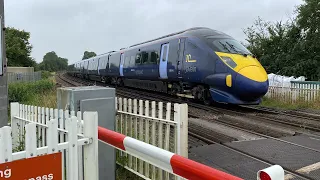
23,77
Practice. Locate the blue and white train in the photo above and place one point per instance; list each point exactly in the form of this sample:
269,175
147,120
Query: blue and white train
198,63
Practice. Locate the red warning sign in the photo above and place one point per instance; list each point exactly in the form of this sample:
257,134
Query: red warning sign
47,167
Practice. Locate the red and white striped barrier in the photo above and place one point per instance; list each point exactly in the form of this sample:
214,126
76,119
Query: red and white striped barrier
166,160
173,163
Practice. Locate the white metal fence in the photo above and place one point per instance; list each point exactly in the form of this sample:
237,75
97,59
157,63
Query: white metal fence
24,77
295,91
139,120
49,131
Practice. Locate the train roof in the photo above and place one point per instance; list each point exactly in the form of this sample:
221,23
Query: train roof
196,31
200,32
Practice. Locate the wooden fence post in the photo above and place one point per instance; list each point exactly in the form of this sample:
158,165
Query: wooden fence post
71,125
91,169
52,136
14,111
181,117
5,144
31,140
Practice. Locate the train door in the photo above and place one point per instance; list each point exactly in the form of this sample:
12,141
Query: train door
180,58
121,64
164,61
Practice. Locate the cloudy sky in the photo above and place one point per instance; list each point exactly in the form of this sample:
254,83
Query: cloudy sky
69,27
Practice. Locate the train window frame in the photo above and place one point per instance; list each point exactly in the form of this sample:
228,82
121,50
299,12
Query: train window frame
138,54
144,57
164,54
157,57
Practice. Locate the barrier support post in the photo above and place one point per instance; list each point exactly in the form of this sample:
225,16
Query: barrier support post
91,170
181,117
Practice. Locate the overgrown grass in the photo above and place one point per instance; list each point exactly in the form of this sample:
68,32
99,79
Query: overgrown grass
46,74
298,104
39,93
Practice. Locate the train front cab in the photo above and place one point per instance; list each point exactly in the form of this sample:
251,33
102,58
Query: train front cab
244,82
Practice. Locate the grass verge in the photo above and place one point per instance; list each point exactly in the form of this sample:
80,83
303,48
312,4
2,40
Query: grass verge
39,93
298,104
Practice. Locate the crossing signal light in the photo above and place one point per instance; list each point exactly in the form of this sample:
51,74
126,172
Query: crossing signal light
274,172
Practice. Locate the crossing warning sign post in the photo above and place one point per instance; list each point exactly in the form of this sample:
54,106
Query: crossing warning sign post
47,167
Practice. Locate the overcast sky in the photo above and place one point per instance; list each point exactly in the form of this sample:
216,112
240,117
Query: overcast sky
69,27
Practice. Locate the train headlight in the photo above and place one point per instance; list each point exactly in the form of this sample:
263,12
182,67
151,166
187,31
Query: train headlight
229,61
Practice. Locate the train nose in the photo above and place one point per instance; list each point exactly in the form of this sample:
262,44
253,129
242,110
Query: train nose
251,82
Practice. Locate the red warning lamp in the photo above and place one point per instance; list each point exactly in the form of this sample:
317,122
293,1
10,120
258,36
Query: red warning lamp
274,172
264,176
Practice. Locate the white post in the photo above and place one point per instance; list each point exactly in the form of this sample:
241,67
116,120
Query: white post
5,144
31,140
14,111
61,140
167,134
52,136
91,169
147,134
153,134
73,147
80,158
181,117
160,135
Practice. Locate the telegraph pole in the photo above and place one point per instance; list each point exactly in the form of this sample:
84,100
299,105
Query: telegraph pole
3,72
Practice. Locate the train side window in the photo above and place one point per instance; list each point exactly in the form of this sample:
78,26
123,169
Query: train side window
154,57
164,53
144,58
192,46
132,60
138,58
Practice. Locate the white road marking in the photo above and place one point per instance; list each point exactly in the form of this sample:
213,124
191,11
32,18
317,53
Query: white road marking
304,170
288,177
308,169
315,139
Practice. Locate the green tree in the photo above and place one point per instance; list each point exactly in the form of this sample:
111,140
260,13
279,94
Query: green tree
87,55
291,48
18,48
52,62
308,20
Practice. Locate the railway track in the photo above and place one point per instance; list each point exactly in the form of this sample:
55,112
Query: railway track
299,123
219,111
200,136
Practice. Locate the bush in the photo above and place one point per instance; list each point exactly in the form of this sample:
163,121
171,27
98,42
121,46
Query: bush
45,74
26,92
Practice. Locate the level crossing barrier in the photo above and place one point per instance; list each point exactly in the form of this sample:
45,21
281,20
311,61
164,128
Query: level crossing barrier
175,164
